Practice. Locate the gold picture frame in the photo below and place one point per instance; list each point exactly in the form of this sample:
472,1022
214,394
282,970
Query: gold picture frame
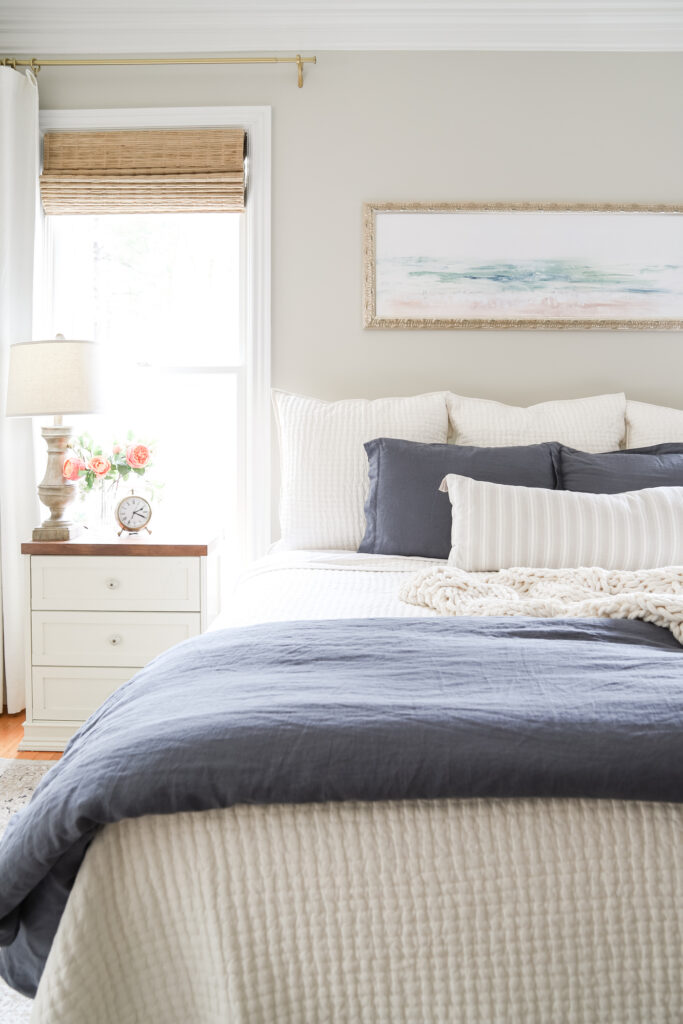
633,294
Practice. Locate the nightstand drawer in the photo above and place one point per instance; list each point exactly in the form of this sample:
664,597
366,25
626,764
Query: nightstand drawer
107,638
116,584
72,694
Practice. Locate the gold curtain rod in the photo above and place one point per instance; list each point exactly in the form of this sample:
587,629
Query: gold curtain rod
74,62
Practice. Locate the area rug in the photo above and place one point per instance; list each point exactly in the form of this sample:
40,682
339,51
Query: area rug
18,779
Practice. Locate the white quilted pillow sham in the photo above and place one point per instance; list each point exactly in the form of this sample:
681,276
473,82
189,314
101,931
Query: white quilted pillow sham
652,424
324,468
591,424
499,526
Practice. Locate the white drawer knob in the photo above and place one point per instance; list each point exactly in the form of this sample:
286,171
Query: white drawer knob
116,639
111,584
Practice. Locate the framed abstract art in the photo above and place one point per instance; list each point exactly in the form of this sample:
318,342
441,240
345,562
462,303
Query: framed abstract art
522,266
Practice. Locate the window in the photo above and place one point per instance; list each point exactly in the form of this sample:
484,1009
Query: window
161,293
181,304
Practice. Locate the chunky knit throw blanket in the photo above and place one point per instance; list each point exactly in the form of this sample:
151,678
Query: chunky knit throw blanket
655,595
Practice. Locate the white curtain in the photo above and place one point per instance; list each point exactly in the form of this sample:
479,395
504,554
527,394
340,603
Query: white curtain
19,146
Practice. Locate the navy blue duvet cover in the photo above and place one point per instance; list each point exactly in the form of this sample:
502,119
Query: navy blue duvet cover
372,709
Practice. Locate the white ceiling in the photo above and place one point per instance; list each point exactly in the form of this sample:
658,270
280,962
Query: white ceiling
54,27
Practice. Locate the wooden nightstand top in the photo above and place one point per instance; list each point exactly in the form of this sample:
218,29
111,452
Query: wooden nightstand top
135,545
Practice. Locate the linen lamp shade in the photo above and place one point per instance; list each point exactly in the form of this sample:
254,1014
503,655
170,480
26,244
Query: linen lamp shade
54,378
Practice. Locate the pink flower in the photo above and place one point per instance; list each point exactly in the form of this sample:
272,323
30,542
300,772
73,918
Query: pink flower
116,449
71,468
137,455
99,466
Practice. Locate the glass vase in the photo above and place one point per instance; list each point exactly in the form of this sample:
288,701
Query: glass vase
103,500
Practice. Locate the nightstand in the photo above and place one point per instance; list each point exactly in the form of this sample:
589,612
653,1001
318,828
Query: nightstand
99,611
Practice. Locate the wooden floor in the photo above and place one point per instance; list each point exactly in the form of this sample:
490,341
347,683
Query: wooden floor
11,734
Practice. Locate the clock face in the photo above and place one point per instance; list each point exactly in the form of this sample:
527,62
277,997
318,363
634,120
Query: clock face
134,513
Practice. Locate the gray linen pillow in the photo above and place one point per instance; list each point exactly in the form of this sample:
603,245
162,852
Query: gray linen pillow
406,514
660,465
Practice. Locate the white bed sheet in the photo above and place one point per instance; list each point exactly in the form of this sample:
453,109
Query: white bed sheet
291,585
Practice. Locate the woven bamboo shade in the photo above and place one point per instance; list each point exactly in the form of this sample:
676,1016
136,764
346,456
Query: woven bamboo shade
146,171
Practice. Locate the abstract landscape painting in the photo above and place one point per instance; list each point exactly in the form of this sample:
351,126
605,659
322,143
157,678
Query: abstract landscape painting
520,266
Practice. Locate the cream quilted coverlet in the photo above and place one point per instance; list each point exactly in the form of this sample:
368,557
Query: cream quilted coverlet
655,595
468,912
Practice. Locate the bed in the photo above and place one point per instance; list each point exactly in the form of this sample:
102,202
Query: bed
411,877
290,585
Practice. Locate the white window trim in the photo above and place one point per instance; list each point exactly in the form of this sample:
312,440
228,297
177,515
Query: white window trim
257,123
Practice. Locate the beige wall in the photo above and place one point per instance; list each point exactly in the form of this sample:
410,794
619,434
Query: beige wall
435,126
462,126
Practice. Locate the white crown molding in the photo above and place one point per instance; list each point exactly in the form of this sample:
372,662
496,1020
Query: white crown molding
52,28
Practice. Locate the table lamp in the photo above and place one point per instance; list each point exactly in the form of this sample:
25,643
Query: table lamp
54,378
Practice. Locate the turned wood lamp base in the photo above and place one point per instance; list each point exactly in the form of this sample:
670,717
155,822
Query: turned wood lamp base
65,532
54,491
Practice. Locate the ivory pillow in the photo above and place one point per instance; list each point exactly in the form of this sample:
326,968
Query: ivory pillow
652,424
590,424
499,526
324,468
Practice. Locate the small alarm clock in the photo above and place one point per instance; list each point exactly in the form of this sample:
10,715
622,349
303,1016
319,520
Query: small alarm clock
133,513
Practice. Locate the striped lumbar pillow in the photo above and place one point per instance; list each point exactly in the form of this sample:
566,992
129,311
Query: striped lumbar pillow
498,526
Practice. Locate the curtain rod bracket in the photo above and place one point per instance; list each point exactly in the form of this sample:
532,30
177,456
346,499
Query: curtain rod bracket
35,64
